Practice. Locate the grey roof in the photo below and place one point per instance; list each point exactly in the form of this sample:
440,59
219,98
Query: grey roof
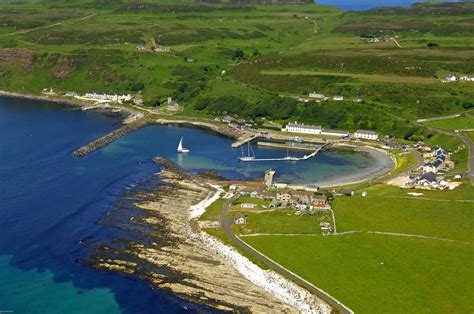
336,132
297,125
429,176
239,215
367,132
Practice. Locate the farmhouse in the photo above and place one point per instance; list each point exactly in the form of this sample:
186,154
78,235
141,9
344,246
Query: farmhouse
161,49
172,105
364,134
248,205
240,219
227,119
320,201
317,96
450,78
302,128
283,197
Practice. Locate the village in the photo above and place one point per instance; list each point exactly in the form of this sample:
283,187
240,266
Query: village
432,175
271,196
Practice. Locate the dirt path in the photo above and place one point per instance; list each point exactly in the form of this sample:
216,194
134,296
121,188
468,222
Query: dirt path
26,31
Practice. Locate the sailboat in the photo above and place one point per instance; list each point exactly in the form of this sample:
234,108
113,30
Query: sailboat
181,149
249,157
290,158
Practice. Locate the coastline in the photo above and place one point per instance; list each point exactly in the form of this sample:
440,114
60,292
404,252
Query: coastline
381,167
384,164
108,108
172,253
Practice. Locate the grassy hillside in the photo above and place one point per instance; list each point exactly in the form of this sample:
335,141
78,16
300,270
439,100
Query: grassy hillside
248,59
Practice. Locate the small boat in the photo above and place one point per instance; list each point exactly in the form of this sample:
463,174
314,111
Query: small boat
249,156
181,149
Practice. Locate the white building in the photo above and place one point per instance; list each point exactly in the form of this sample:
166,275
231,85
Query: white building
108,97
467,78
302,128
368,135
240,219
335,133
450,78
338,98
248,205
317,96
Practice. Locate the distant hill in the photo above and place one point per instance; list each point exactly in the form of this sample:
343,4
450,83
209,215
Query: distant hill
258,1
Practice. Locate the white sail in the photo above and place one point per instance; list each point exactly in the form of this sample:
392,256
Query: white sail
181,149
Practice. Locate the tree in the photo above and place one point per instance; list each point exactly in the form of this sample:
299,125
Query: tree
238,54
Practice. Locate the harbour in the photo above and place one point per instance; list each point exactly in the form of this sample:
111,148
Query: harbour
68,195
250,158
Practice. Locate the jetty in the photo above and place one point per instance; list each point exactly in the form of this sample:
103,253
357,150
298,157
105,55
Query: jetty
287,158
112,136
244,140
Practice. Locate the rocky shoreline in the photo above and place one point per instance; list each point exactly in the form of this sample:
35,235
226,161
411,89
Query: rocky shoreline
164,245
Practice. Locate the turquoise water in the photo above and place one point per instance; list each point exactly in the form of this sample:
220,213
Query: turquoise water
360,5
51,202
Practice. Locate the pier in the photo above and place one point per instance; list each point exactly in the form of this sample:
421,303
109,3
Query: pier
244,140
288,158
112,136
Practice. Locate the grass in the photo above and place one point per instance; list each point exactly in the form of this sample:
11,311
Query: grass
401,213
365,77
374,273
213,211
470,135
380,274
282,221
98,53
405,161
452,124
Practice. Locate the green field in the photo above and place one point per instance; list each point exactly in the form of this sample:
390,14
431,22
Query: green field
453,124
470,135
282,221
440,214
380,274
213,211
375,273
237,48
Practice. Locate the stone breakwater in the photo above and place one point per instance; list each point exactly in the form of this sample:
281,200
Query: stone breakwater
112,136
162,243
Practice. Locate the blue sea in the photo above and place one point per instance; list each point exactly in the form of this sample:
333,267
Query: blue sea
361,5
50,202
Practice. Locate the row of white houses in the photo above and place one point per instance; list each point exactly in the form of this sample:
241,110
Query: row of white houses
111,97
318,130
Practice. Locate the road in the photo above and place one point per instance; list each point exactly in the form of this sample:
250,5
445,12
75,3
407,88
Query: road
226,223
26,31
